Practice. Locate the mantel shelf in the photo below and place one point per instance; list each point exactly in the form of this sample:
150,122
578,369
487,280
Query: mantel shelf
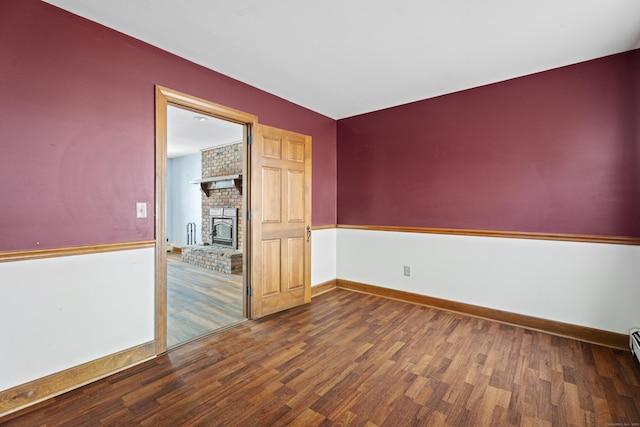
218,182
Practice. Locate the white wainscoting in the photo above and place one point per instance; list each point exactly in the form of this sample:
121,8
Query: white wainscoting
588,284
57,313
323,256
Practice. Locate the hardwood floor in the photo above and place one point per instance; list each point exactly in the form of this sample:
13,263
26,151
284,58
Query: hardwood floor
355,359
199,300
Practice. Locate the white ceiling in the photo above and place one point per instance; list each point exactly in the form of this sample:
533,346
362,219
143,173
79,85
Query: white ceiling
188,133
347,57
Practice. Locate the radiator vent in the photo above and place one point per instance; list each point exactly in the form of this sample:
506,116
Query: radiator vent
634,342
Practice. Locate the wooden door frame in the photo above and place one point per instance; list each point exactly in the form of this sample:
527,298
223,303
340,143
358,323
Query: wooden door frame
164,98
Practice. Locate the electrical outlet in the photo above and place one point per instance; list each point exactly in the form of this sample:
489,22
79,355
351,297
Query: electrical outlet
141,210
407,270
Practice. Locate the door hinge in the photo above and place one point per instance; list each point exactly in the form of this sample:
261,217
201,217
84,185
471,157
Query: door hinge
248,215
249,290
250,139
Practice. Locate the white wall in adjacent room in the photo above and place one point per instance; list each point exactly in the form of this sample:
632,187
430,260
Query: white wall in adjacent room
184,200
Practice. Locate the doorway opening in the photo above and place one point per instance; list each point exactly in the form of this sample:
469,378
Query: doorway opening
204,253
201,167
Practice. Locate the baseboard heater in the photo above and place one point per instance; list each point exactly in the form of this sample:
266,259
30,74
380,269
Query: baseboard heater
634,342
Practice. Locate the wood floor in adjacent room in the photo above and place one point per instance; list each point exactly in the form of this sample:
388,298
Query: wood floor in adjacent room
199,300
355,359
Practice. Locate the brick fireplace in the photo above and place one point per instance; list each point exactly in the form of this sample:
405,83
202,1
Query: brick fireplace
224,226
221,208
222,161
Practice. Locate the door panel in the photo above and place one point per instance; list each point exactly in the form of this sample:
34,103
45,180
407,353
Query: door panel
295,263
281,212
271,275
272,148
296,151
271,195
296,196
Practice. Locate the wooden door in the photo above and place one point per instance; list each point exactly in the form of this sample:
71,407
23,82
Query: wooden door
280,220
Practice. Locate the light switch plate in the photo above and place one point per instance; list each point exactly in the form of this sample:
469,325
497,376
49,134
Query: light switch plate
141,210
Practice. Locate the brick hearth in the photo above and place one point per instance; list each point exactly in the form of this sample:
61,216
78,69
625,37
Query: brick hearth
217,258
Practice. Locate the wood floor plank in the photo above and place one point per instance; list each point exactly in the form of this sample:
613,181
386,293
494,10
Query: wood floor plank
354,359
199,301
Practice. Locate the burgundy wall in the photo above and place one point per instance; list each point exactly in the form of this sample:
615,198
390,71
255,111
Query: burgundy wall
554,152
635,83
77,134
